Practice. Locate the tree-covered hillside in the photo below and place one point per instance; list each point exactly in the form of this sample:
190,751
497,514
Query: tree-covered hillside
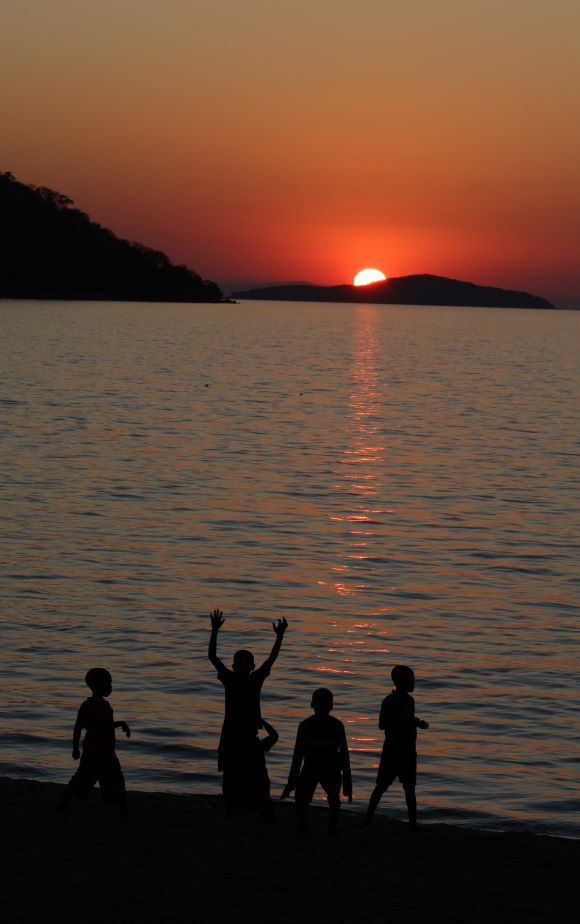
49,249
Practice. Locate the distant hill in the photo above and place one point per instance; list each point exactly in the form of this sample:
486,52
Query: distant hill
229,286
403,290
48,249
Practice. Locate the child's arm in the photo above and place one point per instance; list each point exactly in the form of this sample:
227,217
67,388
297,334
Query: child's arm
295,768
217,621
269,742
124,727
77,731
279,628
345,766
384,715
420,723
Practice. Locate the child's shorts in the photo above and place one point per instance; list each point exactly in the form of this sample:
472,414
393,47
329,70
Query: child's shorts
401,764
330,780
106,772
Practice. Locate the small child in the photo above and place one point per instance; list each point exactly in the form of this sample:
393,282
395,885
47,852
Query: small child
98,762
238,742
320,756
399,756
253,783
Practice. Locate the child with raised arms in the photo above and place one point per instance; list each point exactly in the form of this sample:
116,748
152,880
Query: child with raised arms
238,745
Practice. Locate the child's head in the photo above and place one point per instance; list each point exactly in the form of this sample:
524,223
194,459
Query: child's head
99,681
243,662
322,701
403,678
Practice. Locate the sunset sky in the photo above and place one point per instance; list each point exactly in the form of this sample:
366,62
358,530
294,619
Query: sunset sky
305,139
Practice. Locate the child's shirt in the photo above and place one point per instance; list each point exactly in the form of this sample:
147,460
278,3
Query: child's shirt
242,710
96,716
321,747
397,718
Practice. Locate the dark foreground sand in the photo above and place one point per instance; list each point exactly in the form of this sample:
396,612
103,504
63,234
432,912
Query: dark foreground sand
176,858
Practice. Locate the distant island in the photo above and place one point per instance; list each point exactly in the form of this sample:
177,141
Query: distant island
48,249
403,290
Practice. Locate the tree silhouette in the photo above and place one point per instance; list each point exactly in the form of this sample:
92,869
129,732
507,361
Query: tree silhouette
49,249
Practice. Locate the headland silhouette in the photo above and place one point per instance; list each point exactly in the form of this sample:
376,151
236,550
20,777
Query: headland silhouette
51,250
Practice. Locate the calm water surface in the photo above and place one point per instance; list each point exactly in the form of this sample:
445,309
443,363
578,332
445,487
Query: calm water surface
400,483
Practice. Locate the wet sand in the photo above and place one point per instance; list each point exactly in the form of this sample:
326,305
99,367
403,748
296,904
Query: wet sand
176,858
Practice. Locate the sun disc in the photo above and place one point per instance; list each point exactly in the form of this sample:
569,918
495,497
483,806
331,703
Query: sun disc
366,276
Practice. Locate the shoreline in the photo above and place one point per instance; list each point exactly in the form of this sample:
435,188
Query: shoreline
176,857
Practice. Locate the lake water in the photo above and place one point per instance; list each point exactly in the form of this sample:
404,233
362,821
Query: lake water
401,483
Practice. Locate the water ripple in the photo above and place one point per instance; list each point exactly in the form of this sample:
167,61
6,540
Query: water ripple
398,481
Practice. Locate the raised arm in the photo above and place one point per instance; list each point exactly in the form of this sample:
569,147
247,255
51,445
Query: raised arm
279,628
217,620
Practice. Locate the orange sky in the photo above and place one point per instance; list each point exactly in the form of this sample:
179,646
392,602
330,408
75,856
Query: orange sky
264,140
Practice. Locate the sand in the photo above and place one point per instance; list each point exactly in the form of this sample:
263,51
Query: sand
176,858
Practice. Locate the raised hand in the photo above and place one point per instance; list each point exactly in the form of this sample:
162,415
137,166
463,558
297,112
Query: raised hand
217,620
280,627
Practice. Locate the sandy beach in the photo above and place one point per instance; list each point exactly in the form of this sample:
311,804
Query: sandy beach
176,858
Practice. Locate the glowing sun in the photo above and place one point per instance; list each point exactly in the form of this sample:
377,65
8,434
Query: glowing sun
367,276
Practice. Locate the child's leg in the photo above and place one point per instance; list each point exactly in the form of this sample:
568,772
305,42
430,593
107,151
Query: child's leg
67,795
408,778
305,788
258,786
112,784
411,801
264,798
229,790
333,809
331,784
122,797
374,801
302,812
80,784
387,772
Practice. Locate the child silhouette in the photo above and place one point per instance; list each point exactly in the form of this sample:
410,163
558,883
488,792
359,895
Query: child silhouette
99,762
253,790
399,756
320,757
242,719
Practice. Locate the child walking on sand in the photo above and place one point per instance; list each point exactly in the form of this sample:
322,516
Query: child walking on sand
99,762
399,756
320,757
239,745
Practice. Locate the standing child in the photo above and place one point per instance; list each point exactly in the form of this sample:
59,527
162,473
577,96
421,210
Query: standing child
320,756
238,742
399,756
99,762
